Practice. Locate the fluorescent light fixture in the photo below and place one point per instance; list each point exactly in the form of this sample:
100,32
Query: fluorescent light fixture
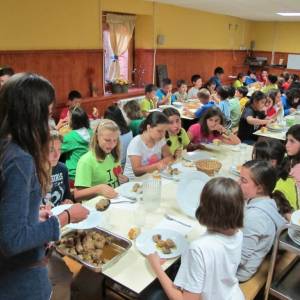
292,14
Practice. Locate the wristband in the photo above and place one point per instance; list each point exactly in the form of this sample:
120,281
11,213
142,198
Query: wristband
69,216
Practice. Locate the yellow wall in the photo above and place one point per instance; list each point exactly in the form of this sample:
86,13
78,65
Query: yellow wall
76,24
55,24
277,36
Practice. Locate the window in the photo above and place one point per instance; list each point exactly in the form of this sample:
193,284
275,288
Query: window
125,59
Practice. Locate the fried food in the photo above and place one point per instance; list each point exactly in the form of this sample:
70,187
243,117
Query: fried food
264,129
137,188
133,233
217,142
87,246
173,171
102,204
165,246
188,164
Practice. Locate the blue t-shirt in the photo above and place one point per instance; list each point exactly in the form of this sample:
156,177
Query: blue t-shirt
224,106
200,111
216,80
286,105
160,94
249,80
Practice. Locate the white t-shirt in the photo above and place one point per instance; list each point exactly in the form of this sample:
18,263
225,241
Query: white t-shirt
148,155
209,265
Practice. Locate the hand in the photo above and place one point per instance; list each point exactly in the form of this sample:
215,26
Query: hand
107,191
122,178
178,153
44,213
161,165
78,213
220,128
67,201
61,123
155,261
95,113
292,110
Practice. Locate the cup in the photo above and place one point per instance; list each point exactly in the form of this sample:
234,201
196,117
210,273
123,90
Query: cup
152,193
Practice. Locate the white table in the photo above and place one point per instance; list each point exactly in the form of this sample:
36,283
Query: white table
271,134
132,270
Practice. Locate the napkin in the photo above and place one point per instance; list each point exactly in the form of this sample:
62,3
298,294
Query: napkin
173,225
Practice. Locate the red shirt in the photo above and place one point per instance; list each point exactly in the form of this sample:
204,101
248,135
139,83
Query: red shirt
271,111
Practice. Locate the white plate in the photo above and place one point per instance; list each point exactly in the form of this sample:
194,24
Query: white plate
294,235
125,190
94,218
295,218
195,155
275,129
146,245
189,190
177,104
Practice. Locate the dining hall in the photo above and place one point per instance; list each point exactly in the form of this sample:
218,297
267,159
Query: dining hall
149,150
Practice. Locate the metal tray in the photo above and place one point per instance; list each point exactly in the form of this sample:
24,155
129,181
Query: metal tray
112,253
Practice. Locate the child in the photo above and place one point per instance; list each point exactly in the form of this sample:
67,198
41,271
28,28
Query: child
176,137
292,162
271,84
273,150
250,78
148,151
235,108
181,94
291,100
239,82
203,97
218,75
224,102
211,86
74,99
150,101
263,77
241,94
262,219
164,94
253,117
274,105
197,83
99,170
76,142
60,189
208,267
5,73
287,81
211,127
114,113
135,116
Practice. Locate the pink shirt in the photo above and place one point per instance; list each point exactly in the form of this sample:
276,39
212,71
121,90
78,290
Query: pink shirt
198,137
295,173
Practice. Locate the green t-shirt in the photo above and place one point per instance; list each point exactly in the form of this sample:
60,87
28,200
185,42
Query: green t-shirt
91,172
135,126
289,189
175,143
75,144
235,111
146,105
237,84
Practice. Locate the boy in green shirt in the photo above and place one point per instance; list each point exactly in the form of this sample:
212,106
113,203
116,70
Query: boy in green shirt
150,101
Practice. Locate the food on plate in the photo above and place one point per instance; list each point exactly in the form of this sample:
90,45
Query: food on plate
86,245
264,129
156,174
217,142
137,188
238,168
165,246
172,171
102,204
188,164
133,233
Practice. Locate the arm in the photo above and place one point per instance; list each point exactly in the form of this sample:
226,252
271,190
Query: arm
85,193
255,121
165,99
18,232
170,289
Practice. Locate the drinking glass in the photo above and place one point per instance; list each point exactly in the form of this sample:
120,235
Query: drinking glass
152,193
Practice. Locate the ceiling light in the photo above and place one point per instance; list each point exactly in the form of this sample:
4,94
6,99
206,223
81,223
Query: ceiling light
289,14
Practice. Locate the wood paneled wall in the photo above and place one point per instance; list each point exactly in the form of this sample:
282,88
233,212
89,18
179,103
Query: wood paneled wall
66,69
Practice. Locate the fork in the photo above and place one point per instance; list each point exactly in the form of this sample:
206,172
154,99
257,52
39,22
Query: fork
175,220
125,201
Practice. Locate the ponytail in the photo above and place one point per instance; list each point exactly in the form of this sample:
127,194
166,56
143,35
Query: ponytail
283,205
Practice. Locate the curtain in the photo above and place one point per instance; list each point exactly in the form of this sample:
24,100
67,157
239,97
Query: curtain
121,30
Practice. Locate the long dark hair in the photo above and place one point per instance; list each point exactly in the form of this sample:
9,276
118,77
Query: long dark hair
79,118
291,94
115,114
24,113
154,119
209,113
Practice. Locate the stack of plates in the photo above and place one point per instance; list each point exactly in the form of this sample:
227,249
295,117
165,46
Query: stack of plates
275,127
294,232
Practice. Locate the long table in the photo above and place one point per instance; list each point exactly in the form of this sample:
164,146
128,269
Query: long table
133,270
